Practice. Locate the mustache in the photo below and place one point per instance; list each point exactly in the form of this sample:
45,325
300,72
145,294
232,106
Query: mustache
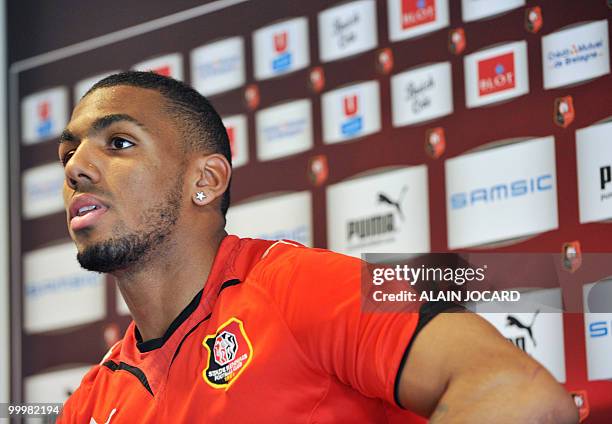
89,189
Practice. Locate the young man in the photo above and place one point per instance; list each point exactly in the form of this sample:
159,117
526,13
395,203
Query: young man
239,330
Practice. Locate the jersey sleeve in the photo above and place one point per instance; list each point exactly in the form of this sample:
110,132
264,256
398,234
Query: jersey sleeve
318,294
73,410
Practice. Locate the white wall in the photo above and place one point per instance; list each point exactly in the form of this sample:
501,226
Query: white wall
4,217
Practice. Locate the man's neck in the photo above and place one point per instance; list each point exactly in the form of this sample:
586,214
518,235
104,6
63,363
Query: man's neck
157,292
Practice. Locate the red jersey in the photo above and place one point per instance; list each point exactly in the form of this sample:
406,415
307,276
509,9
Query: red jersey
276,335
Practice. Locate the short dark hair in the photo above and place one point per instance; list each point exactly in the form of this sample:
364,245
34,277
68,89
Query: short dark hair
200,123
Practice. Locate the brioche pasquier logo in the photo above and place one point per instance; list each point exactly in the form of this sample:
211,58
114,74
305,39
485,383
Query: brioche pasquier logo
344,30
496,74
418,94
417,12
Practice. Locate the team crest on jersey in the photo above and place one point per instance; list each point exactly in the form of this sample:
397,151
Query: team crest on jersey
229,353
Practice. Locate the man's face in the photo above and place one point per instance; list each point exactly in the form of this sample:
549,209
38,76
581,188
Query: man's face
124,176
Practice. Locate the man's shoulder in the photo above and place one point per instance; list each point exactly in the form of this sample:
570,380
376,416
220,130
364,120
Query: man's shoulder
289,253
286,260
111,356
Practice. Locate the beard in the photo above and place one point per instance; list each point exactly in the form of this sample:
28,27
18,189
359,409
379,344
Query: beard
134,248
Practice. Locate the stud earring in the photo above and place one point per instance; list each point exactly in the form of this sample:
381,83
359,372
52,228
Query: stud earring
200,196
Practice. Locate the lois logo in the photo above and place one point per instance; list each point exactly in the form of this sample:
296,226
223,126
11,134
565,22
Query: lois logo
229,353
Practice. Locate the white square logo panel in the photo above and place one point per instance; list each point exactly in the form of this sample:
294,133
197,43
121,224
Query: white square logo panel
347,29
282,216
597,298
284,130
218,67
237,133
539,332
44,115
385,212
473,10
53,386
42,190
170,65
576,54
421,94
501,193
413,18
83,86
52,277
496,74
351,112
281,48
594,164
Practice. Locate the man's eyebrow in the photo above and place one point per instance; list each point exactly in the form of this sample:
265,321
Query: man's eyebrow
66,136
106,121
99,125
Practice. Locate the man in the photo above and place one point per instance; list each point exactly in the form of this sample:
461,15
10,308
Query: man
237,330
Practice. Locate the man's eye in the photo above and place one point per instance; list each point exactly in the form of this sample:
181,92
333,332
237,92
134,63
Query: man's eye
67,157
119,143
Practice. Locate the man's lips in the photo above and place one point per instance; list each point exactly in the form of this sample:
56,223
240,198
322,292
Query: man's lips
85,210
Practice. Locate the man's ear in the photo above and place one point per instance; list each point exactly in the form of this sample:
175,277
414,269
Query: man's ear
210,176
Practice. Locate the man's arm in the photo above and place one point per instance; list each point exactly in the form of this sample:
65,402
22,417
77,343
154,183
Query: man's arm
461,370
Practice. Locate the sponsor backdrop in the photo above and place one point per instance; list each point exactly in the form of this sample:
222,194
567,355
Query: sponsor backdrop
361,126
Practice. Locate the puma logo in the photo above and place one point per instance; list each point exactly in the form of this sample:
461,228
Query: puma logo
383,198
512,321
92,421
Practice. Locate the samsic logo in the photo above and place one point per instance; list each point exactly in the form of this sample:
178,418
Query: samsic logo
373,229
599,329
501,192
496,74
417,12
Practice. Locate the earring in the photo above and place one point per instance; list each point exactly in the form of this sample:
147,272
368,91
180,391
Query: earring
200,196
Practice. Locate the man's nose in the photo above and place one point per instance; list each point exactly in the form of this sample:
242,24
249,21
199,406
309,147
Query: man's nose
82,169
